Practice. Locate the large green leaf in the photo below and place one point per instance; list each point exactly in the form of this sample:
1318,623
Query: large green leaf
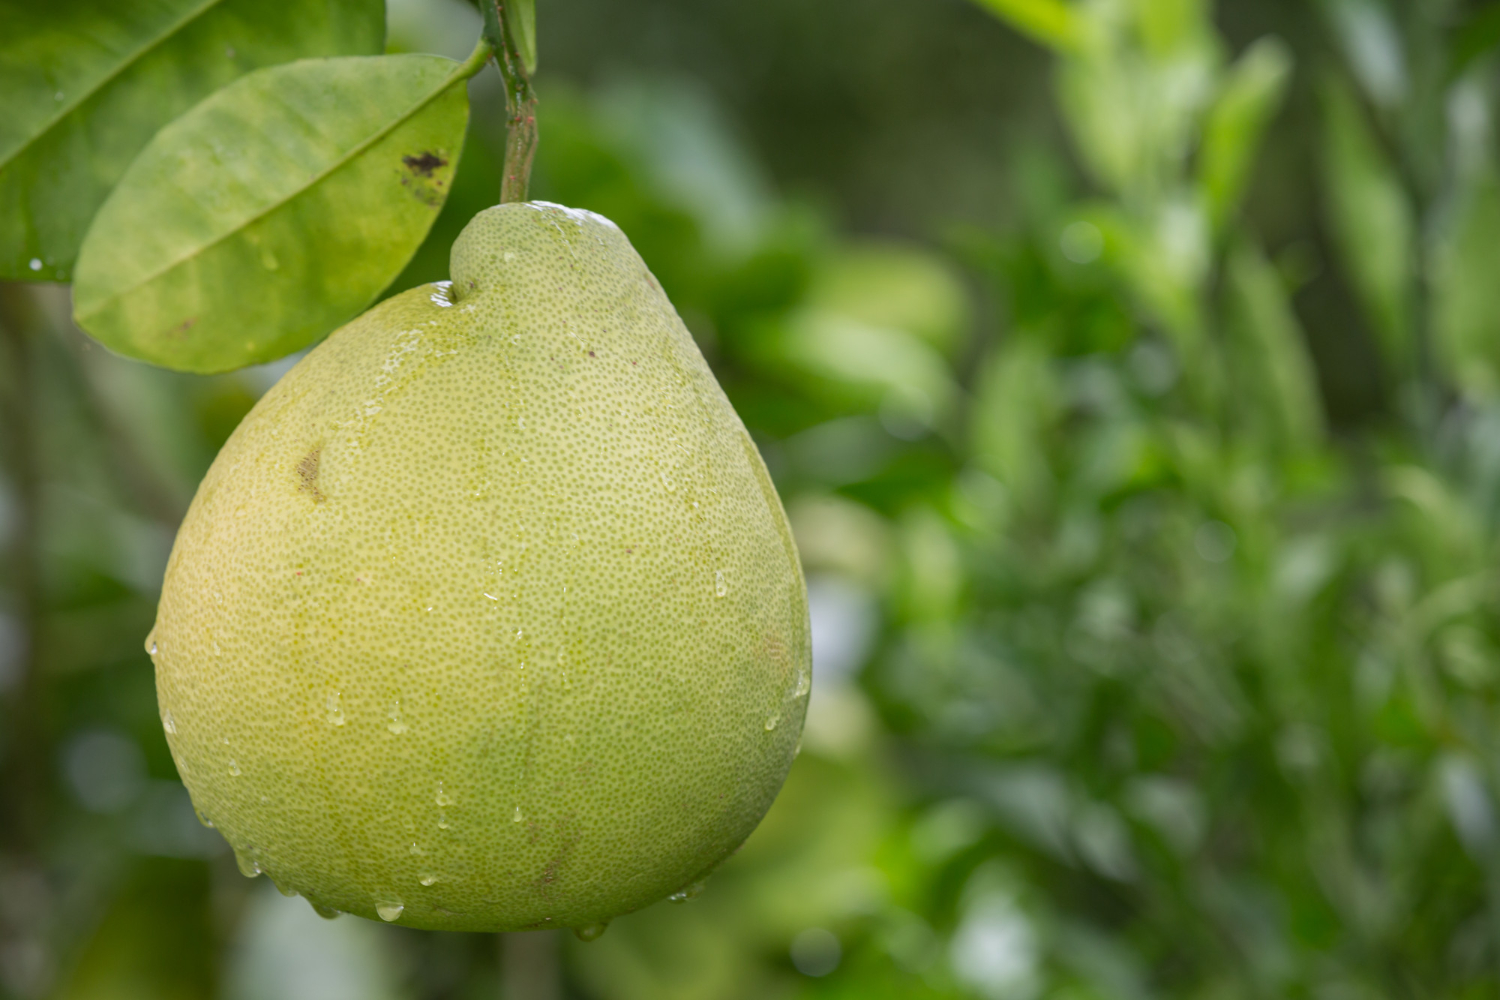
273,211
86,83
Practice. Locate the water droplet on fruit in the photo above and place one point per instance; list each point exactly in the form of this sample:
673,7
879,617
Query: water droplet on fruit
396,725
443,798
592,932
690,891
720,587
389,911
284,890
335,714
771,722
428,879
247,867
415,849
234,768
804,684
326,912
168,723
517,817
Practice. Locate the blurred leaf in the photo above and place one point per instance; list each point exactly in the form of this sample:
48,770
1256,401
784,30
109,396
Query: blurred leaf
284,951
1054,23
272,212
1170,27
1370,218
890,284
1014,405
676,139
1133,99
87,83
1248,100
155,939
932,567
1465,294
888,366
1275,351
1165,258
1373,45
1479,35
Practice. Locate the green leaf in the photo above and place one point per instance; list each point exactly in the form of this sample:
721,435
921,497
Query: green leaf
1051,22
1016,405
1251,95
1371,220
1465,294
1275,373
1478,36
523,31
88,82
273,211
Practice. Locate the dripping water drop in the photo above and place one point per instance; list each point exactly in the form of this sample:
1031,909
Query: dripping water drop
590,933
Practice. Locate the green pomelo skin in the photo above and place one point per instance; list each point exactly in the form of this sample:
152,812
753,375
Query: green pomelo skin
488,616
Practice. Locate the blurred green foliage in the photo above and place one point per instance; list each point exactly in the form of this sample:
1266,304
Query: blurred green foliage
1151,540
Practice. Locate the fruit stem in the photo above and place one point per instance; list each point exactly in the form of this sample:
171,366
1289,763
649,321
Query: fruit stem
520,100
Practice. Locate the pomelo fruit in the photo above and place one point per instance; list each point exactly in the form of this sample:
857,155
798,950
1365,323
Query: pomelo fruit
488,617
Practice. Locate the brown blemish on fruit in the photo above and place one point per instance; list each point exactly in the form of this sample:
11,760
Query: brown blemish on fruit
307,474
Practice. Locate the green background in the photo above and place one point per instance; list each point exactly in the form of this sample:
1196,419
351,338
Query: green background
1131,373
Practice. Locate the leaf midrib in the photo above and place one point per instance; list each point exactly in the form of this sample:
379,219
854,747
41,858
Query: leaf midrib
69,107
317,179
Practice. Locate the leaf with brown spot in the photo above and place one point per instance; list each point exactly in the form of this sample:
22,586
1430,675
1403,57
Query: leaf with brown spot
315,218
